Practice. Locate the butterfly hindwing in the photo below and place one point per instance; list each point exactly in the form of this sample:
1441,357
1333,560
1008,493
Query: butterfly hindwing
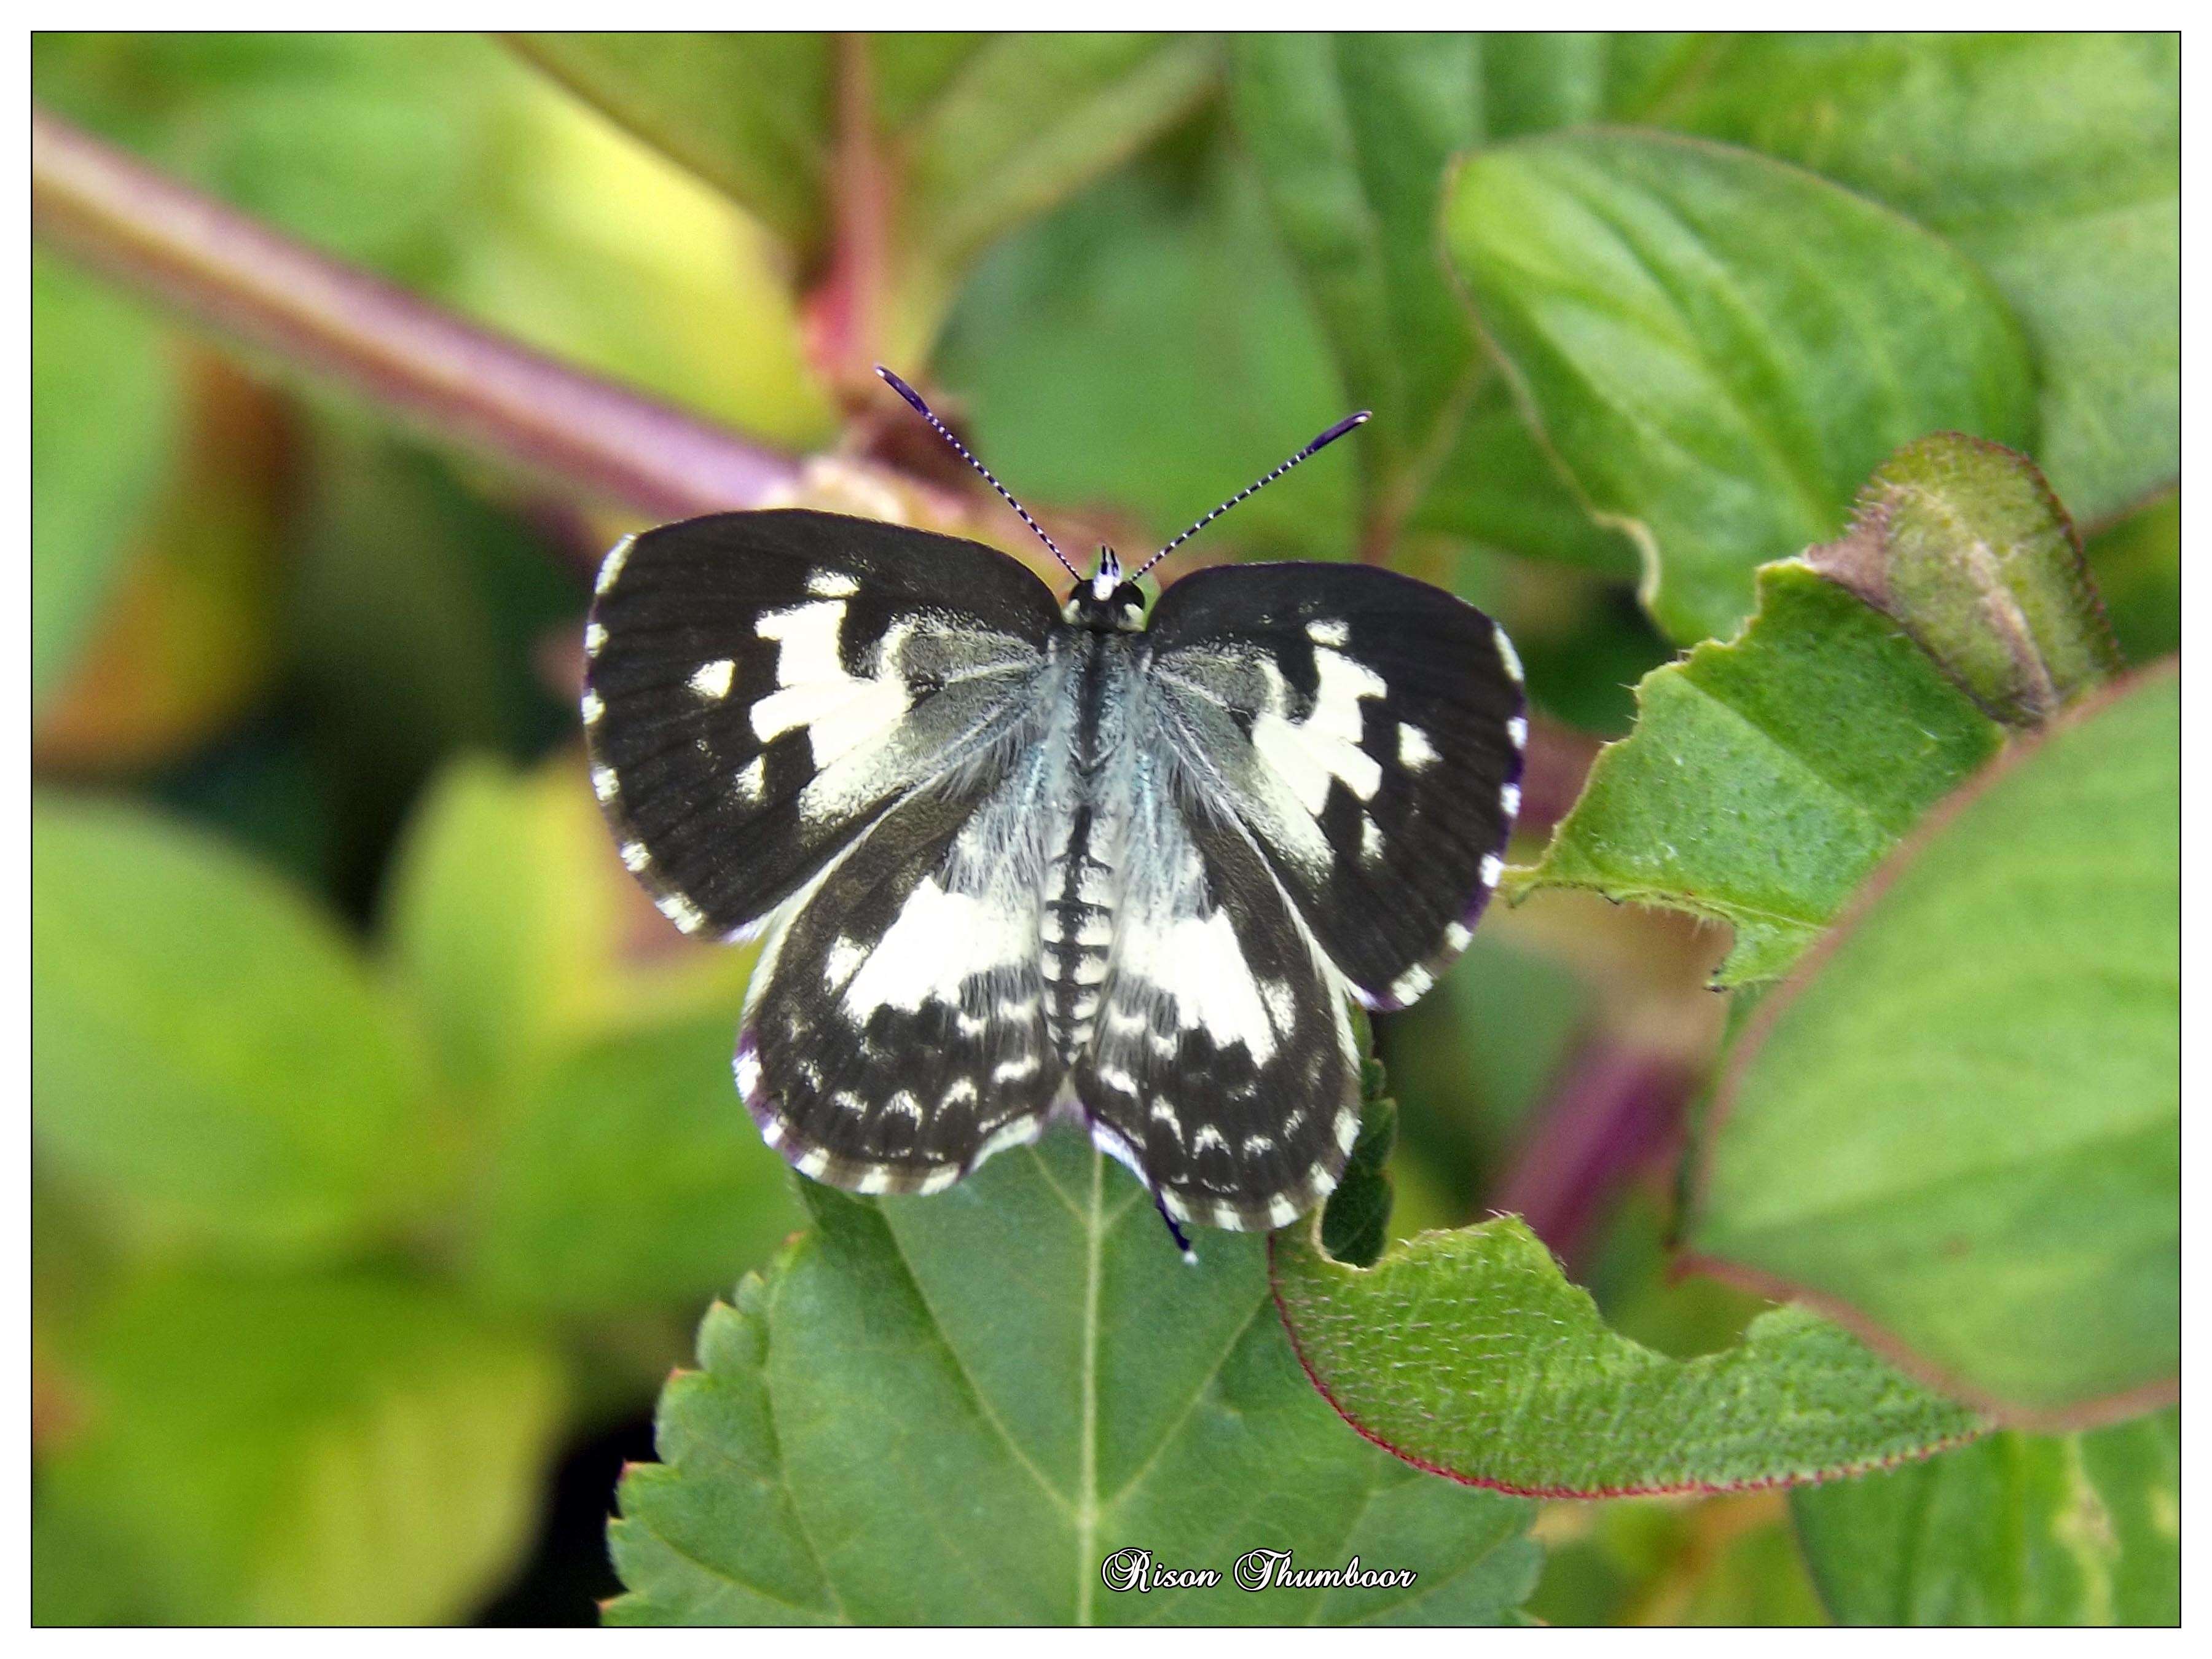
760,687
1223,1065
894,1035
1367,731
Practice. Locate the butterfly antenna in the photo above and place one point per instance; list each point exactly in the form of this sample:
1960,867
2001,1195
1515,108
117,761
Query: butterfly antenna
1313,448
946,433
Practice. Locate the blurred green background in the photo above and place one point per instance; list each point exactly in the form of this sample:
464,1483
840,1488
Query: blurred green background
385,1152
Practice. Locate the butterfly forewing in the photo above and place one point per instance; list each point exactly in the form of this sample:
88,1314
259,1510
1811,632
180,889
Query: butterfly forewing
760,687
1367,730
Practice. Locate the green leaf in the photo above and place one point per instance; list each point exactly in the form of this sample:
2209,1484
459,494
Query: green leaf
1500,488
953,1409
1964,543
1720,348
1962,1121
748,113
1469,1353
216,1065
303,1450
496,917
626,1176
105,429
1767,777
2017,1529
1351,134
513,924
1533,82
2053,160
977,133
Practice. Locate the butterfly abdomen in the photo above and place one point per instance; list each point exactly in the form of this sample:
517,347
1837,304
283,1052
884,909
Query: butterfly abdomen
1087,840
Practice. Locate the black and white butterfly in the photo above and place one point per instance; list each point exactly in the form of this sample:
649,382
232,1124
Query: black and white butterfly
1016,859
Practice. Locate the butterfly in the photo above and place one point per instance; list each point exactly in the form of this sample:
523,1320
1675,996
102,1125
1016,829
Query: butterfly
1016,858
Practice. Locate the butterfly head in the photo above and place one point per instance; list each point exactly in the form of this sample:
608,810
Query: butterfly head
1107,601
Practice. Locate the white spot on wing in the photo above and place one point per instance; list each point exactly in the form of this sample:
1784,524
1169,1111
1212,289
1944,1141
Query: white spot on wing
1457,936
1307,753
845,960
712,682
1326,633
831,585
1492,868
1412,985
681,911
633,856
1507,654
1508,797
938,939
839,710
752,782
1199,964
1281,1212
611,567
1517,729
591,708
595,639
603,782
1414,750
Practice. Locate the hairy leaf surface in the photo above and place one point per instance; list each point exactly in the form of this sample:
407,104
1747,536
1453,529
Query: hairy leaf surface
1767,777
1470,1352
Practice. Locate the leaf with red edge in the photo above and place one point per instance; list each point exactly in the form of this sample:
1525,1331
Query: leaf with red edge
1469,1353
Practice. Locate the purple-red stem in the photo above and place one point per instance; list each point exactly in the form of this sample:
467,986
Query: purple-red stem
581,434
1617,1110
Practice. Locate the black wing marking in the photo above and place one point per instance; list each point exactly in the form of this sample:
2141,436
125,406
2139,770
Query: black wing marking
1367,730
760,687
1222,1067
895,1032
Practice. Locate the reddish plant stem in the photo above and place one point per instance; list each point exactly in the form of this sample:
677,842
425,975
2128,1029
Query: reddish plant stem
846,312
1617,1111
583,435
